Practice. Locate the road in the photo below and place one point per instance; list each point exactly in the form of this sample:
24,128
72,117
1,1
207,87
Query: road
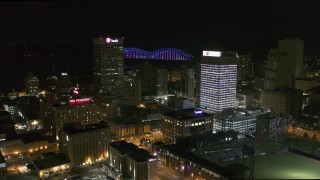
166,173
300,132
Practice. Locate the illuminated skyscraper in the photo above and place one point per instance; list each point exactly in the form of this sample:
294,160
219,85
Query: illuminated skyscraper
108,65
218,82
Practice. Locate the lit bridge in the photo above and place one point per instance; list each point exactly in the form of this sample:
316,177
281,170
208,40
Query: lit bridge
161,54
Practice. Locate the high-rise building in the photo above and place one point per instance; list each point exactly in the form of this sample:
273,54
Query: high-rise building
294,48
278,73
31,84
63,87
162,81
218,82
189,83
85,144
108,65
132,88
245,66
283,66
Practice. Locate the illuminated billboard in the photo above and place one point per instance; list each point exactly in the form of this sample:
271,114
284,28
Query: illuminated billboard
212,53
82,101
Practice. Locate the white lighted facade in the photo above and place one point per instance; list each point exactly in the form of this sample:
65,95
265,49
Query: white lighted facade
218,82
108,65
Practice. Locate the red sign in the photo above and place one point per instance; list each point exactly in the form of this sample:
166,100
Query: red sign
79,101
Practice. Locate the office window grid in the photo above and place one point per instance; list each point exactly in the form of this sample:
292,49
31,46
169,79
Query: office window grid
218,86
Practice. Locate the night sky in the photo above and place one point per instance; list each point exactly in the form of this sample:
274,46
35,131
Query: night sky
188,25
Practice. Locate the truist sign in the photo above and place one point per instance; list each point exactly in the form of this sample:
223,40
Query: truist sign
73,102
198,112
109,40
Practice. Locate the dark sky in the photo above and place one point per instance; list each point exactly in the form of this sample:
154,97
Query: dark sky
192,25
189,25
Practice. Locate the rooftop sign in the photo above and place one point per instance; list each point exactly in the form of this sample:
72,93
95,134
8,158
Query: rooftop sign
83,101
212,53
109,40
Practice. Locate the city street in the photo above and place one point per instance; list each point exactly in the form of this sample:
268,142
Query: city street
300,132
165,173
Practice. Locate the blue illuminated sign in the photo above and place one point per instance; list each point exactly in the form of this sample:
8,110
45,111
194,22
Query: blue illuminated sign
198,112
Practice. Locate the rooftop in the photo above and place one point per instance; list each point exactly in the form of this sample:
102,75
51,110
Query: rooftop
50,162
74,128
124,147
185,114
141,155
126,120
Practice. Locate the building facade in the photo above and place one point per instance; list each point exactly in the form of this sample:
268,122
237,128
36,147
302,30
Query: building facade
272,124
31,84
185,123
284,65
162,81
132,161
218,84
84,113
189,83
85,144
108,65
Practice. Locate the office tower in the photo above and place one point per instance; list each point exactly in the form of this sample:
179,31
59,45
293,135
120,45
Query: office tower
218,81
283,66
162,81
108,65
31,84
189,83
132,88
278,73
63,87
294,48
244,66
85,144
148,76
286,101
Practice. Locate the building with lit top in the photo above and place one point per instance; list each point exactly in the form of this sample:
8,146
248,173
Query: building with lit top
83,111
184,123
108,65
218,81
85,144
31,84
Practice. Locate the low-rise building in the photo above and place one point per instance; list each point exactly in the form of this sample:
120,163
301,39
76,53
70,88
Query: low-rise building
127,126
50,166
243,121
272,124
133,162
184,123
